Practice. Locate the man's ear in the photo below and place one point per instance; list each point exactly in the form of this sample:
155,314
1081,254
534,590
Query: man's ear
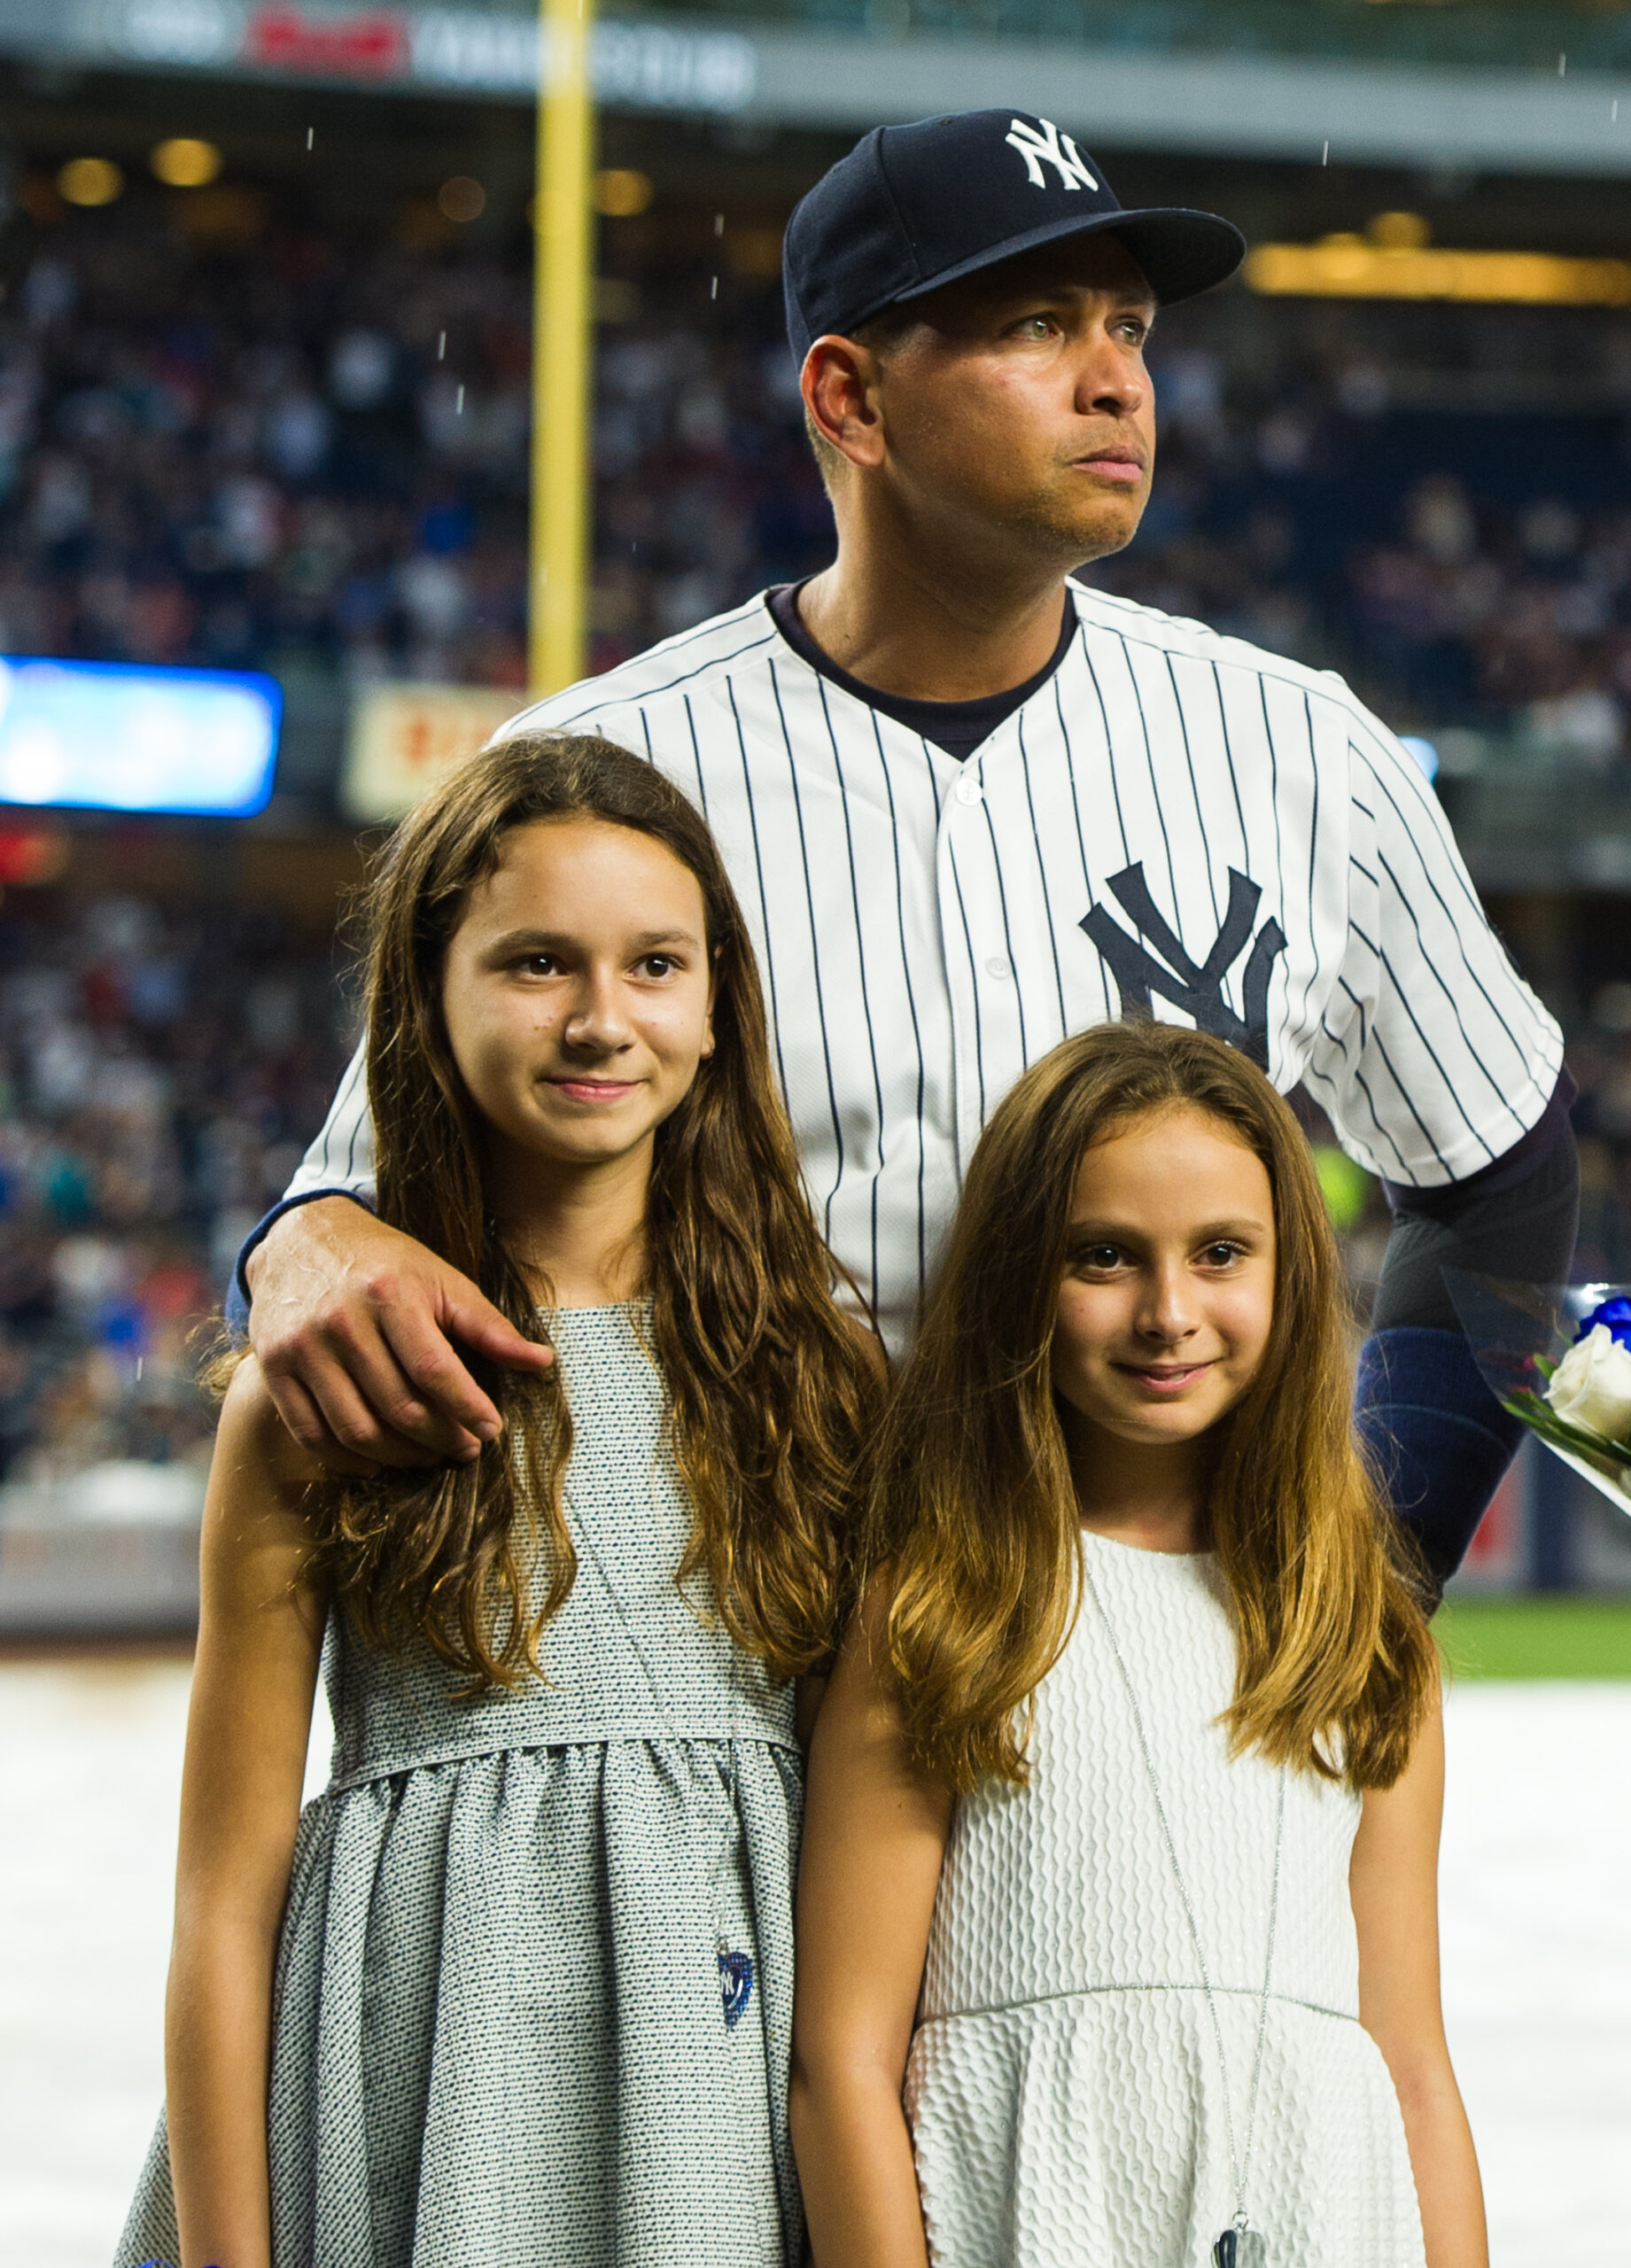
839,383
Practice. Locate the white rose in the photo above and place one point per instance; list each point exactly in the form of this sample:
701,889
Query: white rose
1591,1386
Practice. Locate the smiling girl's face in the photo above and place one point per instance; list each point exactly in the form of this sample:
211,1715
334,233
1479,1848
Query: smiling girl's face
1167,1294
578,993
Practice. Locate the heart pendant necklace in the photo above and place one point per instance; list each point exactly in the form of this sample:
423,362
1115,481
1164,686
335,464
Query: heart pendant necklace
1240,2246
735,1966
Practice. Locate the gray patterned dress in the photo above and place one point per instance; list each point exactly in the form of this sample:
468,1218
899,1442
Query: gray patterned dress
533,1996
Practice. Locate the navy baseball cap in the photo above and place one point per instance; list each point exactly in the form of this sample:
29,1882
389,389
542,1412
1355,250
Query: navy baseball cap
913,207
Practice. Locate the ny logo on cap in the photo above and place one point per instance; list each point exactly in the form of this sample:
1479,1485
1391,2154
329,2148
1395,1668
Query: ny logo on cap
1049,148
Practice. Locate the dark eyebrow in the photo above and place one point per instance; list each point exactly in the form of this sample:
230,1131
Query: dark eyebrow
649,941
1086,1233
1129,298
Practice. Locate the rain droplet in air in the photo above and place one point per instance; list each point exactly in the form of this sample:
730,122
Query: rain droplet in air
310,136
719,224
1324,155
1562,66
441,345
458,403
713,287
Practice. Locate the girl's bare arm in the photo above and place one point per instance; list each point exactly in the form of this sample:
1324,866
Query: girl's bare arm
875,1836
1394,1882
260,1636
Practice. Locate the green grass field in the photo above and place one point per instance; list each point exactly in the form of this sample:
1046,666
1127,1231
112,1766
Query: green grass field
1536,1637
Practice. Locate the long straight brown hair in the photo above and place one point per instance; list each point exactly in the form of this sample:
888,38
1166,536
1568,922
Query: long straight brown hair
771,1392
972,1511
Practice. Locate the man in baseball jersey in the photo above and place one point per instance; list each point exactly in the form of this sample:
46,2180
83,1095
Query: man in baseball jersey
971,805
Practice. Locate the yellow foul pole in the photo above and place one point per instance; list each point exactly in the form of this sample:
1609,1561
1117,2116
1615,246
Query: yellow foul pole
562,320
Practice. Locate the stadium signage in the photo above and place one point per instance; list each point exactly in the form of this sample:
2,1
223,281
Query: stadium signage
371,45
780,68
404,737
636,67
121,737
197,31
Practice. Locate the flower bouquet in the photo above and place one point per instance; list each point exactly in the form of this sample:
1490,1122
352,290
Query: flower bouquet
1560,1360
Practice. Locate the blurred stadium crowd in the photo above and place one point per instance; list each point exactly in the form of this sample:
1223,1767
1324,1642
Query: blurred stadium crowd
254,457
159,1076
1326,500
286,450
305,454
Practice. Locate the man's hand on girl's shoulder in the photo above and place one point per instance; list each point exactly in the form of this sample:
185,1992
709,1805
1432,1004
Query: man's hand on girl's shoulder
352,1323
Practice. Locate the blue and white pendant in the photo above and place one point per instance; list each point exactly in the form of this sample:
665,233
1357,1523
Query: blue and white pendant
1240,2247
735,1985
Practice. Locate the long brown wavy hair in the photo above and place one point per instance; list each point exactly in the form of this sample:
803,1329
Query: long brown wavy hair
972,1514
771,1392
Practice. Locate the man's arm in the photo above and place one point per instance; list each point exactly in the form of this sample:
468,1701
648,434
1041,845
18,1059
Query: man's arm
353,1321
1443,1074
1441,1437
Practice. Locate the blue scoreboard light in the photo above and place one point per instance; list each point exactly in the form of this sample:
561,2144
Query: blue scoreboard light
115,736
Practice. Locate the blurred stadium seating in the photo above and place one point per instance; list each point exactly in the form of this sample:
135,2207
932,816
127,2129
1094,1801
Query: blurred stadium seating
163,1058
265,452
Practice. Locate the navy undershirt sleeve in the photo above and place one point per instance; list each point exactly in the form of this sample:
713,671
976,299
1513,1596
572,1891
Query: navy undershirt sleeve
1440,1439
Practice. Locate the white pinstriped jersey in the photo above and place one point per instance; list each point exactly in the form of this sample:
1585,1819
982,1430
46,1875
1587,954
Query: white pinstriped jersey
1175,823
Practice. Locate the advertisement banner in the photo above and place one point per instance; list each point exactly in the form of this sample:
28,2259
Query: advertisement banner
404,738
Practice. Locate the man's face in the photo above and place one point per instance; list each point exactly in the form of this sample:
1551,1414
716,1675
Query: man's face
1019,399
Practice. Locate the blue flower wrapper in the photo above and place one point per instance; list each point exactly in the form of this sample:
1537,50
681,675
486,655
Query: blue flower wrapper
1521,1336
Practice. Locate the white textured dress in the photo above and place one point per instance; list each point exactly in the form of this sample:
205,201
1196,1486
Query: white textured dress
1064,2086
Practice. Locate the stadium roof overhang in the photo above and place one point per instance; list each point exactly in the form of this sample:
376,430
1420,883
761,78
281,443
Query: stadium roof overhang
1238,104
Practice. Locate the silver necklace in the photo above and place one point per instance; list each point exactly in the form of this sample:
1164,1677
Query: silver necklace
735,1964
1240,2246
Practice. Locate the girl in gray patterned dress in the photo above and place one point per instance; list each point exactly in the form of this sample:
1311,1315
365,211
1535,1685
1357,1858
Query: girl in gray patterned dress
516,1992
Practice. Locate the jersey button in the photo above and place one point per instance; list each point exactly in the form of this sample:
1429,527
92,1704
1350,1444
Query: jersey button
998,967
969,790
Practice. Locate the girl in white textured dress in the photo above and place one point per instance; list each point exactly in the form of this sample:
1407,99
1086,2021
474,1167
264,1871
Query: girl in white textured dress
516,1991
1117,1906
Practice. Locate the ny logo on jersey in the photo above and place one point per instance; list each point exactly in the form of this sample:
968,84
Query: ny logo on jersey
1048,148
1195,987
